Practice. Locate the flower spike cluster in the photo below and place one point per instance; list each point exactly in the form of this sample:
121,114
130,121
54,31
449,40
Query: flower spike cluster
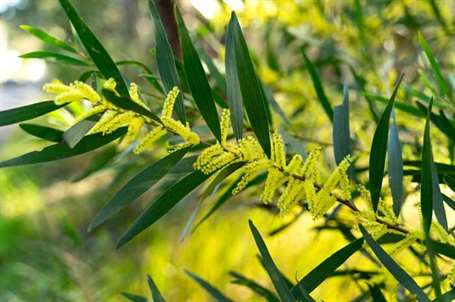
295,181
114,117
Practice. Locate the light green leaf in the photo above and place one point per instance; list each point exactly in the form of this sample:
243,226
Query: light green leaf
47,38
54,56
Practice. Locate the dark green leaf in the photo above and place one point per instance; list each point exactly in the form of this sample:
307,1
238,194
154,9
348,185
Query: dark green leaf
444,249
325,103
254,286
216,294
395,167
379,149
54,56
214,72
61,150
275,275
24,113
100,161
163,204
447,296
234,94
250,86
376,294
396,271
128,104
47,133
165,60
95,49
47,38
327,267
138,185
197,79
340,131
156,295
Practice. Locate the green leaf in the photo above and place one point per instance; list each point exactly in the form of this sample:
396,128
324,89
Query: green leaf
61,150
213,69
99,161
430,194
395,166
47,133
137,186
76,133
163,204
254,286
165,61
54,56
197,79
24,113
340,131
233,92
134,298
442,84
447,296
396,271
252,93
128,104
216,294
443,249
314,278
402,106
376,294
278,281
156,295
379,149
47,38
95,49
325,103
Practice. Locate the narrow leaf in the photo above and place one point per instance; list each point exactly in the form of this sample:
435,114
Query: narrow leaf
251,88
24,113
234,94
379,149
396,271
47,38
156,295
163,204
138,185
95,49
165,60
134,298
443,249
47,133
76,133
395,166
325,103
278,282
197,79
61,150
340,131
54,56
314,278
216,294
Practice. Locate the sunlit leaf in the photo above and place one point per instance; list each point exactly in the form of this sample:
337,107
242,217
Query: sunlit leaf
55,57
47,38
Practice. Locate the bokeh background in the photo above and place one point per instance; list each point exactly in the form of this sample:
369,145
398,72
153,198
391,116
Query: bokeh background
46,253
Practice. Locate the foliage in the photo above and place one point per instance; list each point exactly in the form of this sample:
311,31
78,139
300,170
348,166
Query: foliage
263,156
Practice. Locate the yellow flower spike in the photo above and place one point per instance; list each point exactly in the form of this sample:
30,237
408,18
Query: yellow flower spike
274,180
309,169
225,124
168,106
183,131
93,111
219,162
278,152
324,201
118,121
250,149
87,91
68,97
207,156
337,175
56,87
134,93
134,129
149,139
310,193
105,119
110,84
250,171
451,275
295,165
402,244
289,196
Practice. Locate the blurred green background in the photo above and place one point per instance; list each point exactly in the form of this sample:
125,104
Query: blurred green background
46,253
